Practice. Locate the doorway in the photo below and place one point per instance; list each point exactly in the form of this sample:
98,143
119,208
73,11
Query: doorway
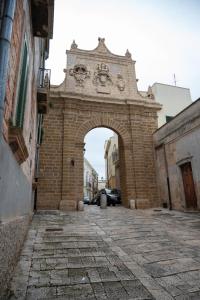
188,184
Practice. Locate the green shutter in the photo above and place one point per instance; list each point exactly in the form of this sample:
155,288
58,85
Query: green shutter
22,89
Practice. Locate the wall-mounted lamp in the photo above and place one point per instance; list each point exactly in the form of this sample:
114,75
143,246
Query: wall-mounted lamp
84,151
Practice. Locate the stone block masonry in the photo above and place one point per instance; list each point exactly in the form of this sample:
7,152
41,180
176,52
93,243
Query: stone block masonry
68,121
119,254
99,90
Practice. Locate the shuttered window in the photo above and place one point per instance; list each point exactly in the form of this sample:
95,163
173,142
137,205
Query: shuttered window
23,82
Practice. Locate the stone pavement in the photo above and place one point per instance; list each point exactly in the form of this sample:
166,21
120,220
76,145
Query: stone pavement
114,253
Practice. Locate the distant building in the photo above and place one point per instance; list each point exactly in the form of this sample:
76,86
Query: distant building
112,162
177,148
173,98
102,183
90,180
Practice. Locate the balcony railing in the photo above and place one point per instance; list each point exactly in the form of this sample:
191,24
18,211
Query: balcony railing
43,85
44,78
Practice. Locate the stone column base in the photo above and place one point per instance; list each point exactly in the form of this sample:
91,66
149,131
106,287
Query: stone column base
67,205
132,204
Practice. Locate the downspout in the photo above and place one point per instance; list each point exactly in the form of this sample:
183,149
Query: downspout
5,42
168,184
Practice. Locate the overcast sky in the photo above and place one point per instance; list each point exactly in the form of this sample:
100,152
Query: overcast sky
162,35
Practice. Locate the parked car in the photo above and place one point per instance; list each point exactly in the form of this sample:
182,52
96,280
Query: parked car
86,200
94,200
113,196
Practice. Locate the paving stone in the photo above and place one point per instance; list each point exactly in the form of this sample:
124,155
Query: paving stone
99,291
136,290
112,254
34,293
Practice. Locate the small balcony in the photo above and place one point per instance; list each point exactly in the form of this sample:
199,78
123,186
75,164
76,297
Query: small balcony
43,89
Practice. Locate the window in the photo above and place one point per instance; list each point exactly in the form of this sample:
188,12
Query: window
23,82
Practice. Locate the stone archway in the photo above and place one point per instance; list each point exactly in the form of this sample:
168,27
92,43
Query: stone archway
124,158
99,90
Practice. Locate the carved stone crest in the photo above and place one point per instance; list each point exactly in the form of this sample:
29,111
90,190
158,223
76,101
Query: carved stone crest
80,74
102,78
120,82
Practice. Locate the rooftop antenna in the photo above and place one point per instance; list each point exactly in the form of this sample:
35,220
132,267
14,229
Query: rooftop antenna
175,81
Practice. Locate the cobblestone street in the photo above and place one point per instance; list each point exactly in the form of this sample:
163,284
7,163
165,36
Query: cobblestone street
114,253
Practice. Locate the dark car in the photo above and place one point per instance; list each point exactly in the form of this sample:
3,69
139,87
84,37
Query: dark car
94,200
113,196
86,200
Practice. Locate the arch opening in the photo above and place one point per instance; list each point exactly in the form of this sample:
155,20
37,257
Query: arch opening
103,166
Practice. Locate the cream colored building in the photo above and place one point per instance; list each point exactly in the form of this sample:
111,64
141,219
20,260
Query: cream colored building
112,162
90,180
101,183
173,98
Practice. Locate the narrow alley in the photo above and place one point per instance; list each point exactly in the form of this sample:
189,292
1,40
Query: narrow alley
113,253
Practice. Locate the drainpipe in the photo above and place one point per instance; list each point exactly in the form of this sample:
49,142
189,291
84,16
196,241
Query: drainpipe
5,41
168,184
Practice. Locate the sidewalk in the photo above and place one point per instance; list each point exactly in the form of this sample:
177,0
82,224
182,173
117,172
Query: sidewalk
115,253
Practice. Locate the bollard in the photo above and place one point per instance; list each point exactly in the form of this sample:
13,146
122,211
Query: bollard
132,204
103,201
80,206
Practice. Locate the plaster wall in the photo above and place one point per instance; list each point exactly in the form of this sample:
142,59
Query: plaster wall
15,197
176,143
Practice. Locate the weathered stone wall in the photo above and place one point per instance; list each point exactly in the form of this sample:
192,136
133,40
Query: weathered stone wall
99,90
61,172
175,143
16,194
51,158
14,60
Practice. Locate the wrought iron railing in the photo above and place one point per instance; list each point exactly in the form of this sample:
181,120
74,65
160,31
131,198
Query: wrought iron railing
44,76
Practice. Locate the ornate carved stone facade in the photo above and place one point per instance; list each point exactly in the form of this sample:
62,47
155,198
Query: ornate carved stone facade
107,97
80,74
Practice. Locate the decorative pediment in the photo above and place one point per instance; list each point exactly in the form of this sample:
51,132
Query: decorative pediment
101,46
101,49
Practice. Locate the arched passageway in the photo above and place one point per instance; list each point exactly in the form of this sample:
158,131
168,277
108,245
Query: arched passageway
94,95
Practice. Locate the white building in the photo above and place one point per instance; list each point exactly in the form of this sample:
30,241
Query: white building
173,98
90,180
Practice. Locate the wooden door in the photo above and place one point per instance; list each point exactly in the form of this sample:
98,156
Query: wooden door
188,183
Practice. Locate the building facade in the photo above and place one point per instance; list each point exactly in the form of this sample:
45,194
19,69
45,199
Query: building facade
173,99
102,183
90,180
99,90
177,145
112,162
25,30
